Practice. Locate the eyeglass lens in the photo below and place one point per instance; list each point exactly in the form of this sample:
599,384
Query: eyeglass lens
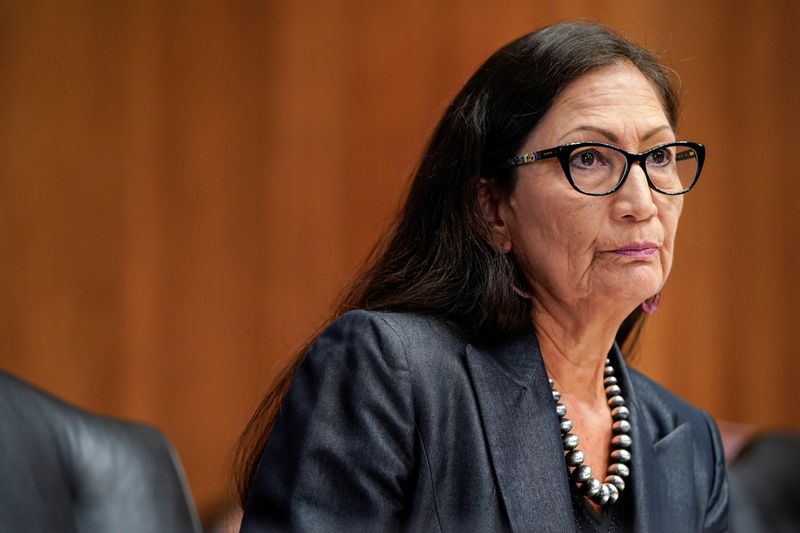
598,169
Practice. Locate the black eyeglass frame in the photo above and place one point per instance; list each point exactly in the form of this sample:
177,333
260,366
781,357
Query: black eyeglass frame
563,152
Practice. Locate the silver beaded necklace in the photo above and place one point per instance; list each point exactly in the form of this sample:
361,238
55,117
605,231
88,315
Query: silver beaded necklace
608,492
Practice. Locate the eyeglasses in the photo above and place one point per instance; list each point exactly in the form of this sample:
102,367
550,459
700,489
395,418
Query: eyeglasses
598,169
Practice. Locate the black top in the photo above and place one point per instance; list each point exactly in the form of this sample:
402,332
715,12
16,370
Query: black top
616,518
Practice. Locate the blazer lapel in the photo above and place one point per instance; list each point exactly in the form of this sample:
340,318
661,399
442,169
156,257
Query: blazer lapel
663,496
523,435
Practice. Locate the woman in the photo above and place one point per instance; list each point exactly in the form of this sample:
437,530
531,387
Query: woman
472,378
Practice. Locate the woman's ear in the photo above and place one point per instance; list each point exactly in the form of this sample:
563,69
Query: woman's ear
490,199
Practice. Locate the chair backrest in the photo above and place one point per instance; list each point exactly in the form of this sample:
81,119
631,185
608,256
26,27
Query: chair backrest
764,490
67,470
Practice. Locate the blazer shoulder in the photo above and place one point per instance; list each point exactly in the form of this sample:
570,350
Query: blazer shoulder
416,335
401,323
353,336
665,411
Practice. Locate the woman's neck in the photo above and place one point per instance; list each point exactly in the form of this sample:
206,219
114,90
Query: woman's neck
574,349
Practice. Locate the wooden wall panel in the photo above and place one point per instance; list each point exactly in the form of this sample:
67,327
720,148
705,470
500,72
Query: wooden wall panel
185,186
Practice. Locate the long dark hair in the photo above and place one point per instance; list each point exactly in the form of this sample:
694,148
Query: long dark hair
436,258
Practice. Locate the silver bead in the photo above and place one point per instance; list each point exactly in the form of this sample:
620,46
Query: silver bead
591,487
608,361
621,426
608,492
621,456
581,474
620,413
613,493
619,469
575,458
617,481
601,498
616,401
570,441
621,441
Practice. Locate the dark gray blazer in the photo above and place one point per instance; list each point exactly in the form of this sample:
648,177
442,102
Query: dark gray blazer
393,422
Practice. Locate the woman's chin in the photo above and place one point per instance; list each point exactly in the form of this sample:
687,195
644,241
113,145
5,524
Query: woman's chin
634,288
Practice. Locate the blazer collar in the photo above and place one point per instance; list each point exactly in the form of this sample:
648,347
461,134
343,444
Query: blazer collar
662,497
522,431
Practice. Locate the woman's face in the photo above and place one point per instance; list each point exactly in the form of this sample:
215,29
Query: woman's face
573,247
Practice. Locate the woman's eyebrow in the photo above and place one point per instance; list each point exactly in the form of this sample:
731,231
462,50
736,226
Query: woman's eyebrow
656,130
607,134
611,136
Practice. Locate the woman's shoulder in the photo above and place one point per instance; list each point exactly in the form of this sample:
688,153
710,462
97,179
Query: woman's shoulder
677,427
665,412
402,339
409,327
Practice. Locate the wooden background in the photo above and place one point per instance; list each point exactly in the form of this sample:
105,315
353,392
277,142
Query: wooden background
185,185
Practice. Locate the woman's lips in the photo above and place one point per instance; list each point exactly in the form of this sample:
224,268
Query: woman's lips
638,249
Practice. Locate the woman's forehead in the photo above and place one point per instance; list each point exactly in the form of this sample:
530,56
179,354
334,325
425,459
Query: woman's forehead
616,102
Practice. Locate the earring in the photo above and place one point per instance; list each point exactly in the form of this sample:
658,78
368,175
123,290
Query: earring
650,305
522,294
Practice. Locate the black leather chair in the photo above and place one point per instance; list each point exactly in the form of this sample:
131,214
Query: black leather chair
63,469
765,494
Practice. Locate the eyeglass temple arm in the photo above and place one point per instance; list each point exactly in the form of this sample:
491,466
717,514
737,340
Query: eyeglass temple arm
686,154
530,157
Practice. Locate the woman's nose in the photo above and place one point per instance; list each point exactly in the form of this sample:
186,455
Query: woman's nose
635,198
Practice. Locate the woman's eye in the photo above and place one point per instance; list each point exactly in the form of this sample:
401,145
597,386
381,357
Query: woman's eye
586,159
660,157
